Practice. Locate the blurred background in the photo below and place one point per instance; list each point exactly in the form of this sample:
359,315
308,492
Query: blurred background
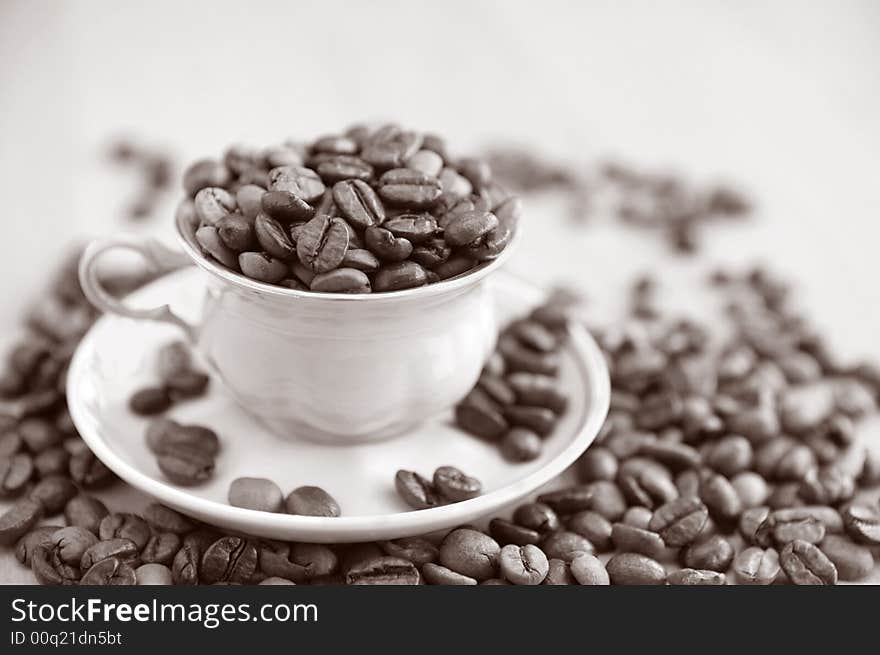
781,99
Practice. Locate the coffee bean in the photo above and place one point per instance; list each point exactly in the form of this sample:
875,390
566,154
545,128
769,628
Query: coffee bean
539,420
804,407
402,275
164,519
467,227
125,526
827,486
186,465
297,562
569,500
538,390
645,482
249,200
751,488
286,206
311,501
493,242
322,243
607,499
565,545
165,434
537,516
344,167
853,562
122,549
862,523
338,145
713,552
523,565
53,491
209,239
415,228
229,559
386,246
637,516
19,519
38,434
205,173
149,401
15,472
161,548
262,267
559,574
720,497
41,536
212,204
756,566
454,486
480,419
48,571
302,182
587,569
360,259
187,561
750,522
415,490
730,455
505,532
805,564
88,471
417,550
597,463
173,359
679,521
435,574
10,443
390,147
521,445
86,512
453,267
273,238
784,459
111,571
342,280
520,358
191,384
236,232
629,538
691,577
153,574
635,569
70,544
676,456
383,571
470,553
255,493
455,186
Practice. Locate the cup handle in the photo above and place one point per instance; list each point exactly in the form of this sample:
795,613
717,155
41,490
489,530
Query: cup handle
159,259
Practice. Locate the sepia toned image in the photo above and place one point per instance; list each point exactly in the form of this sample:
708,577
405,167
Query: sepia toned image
460,293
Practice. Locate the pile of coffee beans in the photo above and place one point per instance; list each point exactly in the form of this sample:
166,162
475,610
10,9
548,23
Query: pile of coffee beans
367,210
519,398
179,380
449,485
265,496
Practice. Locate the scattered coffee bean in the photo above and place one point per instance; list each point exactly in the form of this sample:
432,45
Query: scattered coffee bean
150,401
15,472
454,486
470,553
256,493
805,564
161,548
311,501
164,519
41,536
594,527
186,465
523,565
852,561
635,569
297,562
416,491
757,566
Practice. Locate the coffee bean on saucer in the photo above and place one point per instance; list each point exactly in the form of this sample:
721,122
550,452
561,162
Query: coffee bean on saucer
480,419
256,493
150,401
186,465
416,491
163,434
521,445
190,384
311,501
453,485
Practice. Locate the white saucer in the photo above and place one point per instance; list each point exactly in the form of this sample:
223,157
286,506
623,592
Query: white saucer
117,357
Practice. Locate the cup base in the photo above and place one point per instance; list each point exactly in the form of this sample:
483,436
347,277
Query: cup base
292,430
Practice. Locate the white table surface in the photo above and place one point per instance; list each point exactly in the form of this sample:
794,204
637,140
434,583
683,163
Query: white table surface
783,97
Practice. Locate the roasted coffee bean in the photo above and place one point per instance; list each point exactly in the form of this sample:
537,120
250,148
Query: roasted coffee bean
505,532
402,275
149,401
691,577
431,253
434,574
358,203
53,491
415,490
229,559
10,443
607,499
628,538
322,243
804,407
565,545
805,564
191,384
293,283
249,200
587,569
360,259
730,455
15,472
467,227
454,486
853,562
538,390
781,529
41,536
417,550
344,167
559,574
537,516
161,548
452,267
539,420
262,267
311,501
751,488
521,445
409,188
186,465
186,563
255,493
597,463
111,571
470,553
390,146
784,459
482,420
493,242
680,521
827,486
70,544
383,571
342,280
570,499
426,161
212,204
756,566
750,522
19,519
165,434
676,456
645,482
173,359
523,565
165,519
236,232
720,497
637,516
209,239
714,553
124,526
297,562
153,574
521,358
415,228
304,183
635,569
86,512
49,571
285,206
784,495
496,388
273,238
123,549
88,471
862,523
337,145
38,434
